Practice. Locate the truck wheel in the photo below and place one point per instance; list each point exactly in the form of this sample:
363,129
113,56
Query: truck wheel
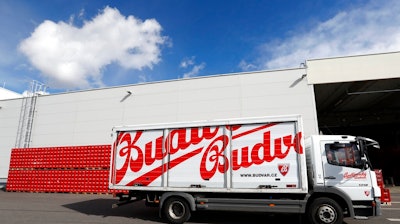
325,211
176,210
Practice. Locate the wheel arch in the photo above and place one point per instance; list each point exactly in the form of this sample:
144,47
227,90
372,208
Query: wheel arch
188,197
335,194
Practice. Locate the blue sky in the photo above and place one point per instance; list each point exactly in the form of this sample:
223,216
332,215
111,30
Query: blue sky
72,45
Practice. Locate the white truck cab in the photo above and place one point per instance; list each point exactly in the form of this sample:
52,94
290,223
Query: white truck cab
339,166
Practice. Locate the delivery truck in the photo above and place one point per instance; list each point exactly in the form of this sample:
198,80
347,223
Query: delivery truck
262,164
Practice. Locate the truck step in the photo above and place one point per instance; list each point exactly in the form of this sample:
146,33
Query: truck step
361,217
361,206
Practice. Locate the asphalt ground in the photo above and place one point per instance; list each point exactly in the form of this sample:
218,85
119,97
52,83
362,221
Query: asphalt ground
56,208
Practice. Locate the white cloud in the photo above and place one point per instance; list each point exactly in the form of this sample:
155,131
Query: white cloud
195,70
190,64
371,28
246,66
73,57
187,62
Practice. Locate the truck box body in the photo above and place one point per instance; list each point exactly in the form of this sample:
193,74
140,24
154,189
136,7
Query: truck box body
243,155
248,164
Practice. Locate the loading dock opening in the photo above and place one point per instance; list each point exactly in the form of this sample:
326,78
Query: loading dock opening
367,108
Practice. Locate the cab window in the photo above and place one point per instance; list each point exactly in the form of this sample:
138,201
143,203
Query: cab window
343,154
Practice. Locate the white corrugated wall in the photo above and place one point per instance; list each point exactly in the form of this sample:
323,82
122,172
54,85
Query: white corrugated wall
87,117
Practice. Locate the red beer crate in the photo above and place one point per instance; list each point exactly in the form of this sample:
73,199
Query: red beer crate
60,169
385,196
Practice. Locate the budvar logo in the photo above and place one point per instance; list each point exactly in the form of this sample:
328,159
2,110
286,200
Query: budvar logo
283,168
360,175
213,156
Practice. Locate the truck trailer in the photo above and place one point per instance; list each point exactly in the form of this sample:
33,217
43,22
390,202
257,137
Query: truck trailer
262,164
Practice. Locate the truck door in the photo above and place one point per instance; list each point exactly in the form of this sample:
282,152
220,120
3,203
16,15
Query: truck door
344,169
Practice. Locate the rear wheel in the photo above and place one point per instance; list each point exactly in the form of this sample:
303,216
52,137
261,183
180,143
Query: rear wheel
176,210
325,211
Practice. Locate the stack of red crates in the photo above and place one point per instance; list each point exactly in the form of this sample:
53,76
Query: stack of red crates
385,192
78,169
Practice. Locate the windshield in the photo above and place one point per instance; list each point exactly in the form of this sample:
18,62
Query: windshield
346,154
351,154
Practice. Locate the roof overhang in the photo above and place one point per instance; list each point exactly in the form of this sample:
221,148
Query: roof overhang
353,68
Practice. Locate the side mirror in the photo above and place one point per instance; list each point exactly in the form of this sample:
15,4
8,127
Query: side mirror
366,143
364,163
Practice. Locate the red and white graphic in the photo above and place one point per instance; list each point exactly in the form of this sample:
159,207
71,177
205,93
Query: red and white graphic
283,168
360,175
367,193
142,157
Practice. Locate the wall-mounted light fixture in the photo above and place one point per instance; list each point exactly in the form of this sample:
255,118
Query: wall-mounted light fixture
129,93
297,80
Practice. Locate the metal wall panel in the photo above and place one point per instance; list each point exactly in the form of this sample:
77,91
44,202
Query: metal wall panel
86,117
9,118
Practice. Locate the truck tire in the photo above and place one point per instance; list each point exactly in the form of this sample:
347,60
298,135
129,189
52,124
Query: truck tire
176,210
325,211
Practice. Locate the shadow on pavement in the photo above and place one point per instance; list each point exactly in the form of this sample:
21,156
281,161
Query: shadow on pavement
246,217
102,207
243,217
138,210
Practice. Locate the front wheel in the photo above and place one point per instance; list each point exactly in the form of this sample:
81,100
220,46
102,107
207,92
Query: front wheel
325,211
176,210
